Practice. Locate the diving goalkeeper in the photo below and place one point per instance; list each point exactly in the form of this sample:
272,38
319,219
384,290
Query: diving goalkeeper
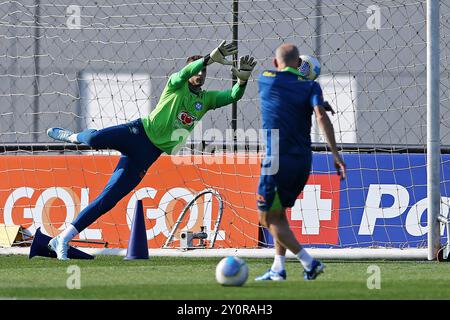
141,142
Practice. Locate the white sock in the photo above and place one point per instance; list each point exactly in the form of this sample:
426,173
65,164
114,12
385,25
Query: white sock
69,233
305,259
278,263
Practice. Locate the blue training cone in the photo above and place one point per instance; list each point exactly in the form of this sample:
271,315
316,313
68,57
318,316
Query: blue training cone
137,245
39,247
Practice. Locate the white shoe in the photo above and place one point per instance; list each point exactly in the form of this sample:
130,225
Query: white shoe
60,247
61,134
272,275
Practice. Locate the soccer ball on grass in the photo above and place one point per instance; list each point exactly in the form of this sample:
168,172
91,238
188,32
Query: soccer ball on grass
231,271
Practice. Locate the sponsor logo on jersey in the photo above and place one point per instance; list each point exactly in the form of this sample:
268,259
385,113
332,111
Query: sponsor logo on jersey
186,118
269,74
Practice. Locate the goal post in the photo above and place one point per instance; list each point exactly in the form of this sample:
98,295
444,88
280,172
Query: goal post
93,65
433,128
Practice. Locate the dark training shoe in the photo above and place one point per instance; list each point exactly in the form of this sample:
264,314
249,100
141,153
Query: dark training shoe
316,269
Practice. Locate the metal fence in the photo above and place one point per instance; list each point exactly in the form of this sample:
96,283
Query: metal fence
77,64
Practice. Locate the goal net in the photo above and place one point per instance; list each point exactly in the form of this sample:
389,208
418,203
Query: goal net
96,64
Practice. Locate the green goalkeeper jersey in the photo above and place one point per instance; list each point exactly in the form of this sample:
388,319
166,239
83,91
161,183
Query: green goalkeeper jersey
179,108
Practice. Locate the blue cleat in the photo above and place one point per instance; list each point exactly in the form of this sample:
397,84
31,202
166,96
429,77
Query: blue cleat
60,134
316,269
272,275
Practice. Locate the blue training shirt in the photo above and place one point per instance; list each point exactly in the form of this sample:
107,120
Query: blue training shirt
287,102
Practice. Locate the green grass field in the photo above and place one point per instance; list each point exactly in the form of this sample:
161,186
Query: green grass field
167,278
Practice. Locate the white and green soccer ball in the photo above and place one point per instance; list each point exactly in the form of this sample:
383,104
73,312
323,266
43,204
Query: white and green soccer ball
310,67
231,271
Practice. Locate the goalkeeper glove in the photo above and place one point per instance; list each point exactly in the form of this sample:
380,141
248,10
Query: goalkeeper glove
220,53
246,66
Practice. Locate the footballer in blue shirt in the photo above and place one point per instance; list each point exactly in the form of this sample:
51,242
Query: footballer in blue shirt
288,101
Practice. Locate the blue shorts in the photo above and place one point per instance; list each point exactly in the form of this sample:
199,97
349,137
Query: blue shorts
282,188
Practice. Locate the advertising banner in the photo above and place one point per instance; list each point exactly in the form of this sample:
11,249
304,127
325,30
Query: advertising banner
50,191
382,202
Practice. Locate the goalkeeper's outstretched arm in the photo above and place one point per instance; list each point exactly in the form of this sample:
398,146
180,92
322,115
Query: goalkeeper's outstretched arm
217,99
176,80
218,55
223,98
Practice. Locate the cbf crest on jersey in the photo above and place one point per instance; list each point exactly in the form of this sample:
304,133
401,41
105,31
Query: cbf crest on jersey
198,106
